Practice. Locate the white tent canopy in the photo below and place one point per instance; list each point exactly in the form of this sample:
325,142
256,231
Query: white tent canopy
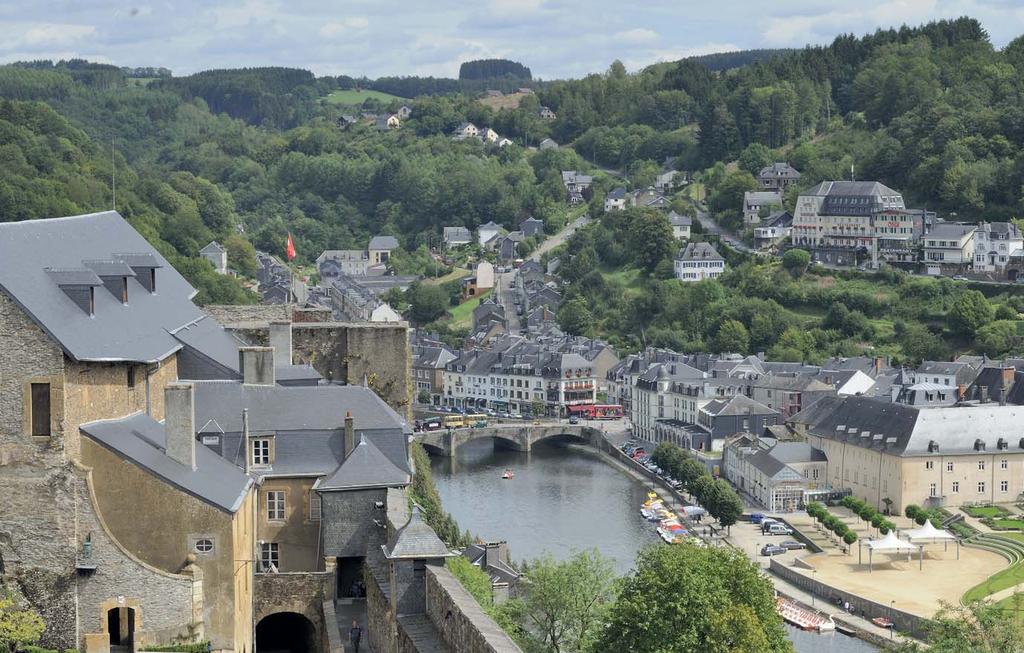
929,533
890,543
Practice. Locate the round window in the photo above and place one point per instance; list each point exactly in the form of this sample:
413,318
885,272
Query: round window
204,546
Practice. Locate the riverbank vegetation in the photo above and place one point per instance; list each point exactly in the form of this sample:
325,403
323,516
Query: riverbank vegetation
678,598
714,494
423,492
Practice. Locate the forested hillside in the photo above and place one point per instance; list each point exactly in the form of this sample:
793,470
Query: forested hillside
933,111
49,168
227,134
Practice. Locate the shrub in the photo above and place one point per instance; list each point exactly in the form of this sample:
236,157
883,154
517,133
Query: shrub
877,520
912,511
850,537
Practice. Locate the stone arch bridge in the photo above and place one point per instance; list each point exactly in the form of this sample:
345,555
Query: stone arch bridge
518,437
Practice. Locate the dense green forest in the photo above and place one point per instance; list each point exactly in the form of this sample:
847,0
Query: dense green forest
492,69
934,111
330,187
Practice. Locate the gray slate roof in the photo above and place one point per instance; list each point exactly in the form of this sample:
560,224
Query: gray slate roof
313,415
365,467
416,540
737,405
141,439
383,242
137,331
213,248
699,252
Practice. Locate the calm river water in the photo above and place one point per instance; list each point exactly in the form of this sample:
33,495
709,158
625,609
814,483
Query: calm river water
563,499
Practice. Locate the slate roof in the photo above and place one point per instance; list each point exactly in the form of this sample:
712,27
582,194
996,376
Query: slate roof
365,467
779,169
699,252
617,193
213,248
903,430
138,331
850,188
383,242
737,405
311,417
212,341
141,439
416,540
677,220
950,230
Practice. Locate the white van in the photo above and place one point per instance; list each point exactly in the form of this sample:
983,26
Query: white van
779,529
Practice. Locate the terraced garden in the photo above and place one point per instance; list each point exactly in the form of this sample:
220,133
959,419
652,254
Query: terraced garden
1009,546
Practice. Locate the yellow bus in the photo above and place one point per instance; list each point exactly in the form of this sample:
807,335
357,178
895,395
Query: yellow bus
476,421
454,421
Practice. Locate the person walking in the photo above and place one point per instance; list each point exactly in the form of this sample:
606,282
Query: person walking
355,633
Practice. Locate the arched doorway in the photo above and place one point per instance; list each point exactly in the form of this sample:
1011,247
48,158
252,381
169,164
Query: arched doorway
285,632
121,628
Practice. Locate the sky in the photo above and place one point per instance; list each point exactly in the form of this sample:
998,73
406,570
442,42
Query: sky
555,38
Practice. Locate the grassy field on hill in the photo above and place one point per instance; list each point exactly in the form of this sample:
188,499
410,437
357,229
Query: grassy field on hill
356,97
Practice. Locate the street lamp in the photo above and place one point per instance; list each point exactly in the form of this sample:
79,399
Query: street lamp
814,576
892,613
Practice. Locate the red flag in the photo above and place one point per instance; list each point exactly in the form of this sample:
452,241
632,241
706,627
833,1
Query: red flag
289,249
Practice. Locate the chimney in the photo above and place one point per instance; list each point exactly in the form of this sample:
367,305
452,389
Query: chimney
350,434
1008,374
281,341
180,424
878,365
984,394
961,391
256,365
245,438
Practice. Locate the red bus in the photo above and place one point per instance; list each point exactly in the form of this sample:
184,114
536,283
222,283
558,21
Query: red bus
597,411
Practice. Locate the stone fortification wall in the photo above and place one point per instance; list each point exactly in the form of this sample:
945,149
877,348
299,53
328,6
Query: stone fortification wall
459,619
340,351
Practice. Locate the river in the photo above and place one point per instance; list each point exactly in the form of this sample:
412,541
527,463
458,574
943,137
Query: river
564,498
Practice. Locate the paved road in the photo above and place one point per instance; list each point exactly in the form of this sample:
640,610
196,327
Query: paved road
559,238
729,238
505,280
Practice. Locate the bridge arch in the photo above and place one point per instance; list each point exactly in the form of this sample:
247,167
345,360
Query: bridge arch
577,438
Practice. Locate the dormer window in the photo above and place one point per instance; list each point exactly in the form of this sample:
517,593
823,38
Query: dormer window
79,285
262,454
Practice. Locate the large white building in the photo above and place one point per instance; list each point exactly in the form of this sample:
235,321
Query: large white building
698,261
949,243
855,215
994,243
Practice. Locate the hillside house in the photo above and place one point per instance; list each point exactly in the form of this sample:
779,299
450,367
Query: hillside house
217,255
380,248
615,200
755,201
949,243
465,130
773,230
546,114
531,227
457,236
994,244
681,225
698,261
777,177
548,144
486,233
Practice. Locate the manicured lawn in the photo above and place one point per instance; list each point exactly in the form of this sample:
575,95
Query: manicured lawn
354,97
981,512
1015,524
1006,578
462,315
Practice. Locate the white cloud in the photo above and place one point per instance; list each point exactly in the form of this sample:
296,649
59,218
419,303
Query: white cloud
636,35
349,24
511,7
47,34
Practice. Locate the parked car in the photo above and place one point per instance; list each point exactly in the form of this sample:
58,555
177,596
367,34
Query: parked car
779,529
766,522
574,419
756,517
772,550
959,277
792,545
